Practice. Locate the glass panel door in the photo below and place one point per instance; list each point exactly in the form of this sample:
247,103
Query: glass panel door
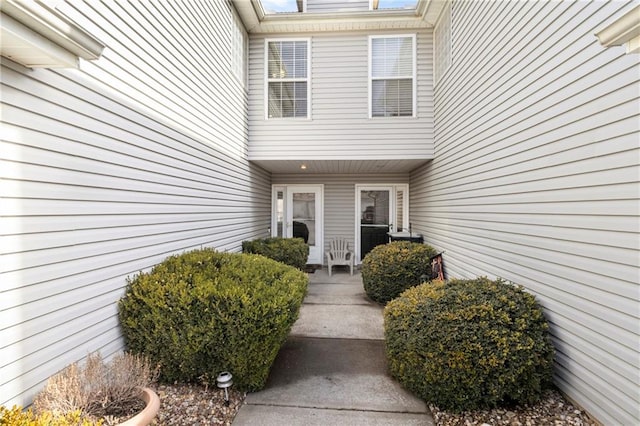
304,216
380,209
297,212
375,206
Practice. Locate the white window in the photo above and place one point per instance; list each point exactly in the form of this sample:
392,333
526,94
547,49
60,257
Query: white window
287,78
442,43
392,70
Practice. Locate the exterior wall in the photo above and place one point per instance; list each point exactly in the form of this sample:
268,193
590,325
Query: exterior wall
327,6
535,180
110,168
340,127
339,199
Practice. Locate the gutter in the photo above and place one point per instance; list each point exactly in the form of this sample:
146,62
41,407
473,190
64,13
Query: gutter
624,30
39,25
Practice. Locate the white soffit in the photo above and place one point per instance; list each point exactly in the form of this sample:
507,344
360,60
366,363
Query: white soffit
36,35
340,166
624,30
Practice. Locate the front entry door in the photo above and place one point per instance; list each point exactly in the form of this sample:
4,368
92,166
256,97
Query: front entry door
375,217
298,213
380,209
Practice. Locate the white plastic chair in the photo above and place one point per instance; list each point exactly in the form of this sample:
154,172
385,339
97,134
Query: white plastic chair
339,254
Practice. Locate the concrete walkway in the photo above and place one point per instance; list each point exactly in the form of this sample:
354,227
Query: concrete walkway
332,370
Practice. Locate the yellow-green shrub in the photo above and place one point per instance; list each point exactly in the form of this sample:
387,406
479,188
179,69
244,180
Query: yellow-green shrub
17,417
390,269
203,312
469,344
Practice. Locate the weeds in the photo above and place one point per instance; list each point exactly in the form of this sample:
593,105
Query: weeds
97,389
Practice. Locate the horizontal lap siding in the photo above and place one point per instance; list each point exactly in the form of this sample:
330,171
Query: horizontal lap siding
109,169
536,180
340,127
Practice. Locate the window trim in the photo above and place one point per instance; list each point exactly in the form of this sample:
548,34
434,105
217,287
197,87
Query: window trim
267,79
413,37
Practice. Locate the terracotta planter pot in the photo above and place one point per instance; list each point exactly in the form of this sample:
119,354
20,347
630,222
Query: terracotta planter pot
146,416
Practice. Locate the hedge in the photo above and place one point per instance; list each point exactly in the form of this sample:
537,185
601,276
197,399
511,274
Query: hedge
203,312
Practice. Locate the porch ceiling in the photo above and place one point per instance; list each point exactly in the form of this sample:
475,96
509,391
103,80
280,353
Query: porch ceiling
340,166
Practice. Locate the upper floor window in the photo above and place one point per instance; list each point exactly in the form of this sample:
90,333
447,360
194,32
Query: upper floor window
287,78
392,70
442,43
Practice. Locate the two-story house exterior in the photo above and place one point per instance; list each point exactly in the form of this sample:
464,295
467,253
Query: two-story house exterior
504,132
365,122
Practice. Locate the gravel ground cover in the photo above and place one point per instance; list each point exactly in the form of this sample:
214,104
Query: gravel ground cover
195,405
552,410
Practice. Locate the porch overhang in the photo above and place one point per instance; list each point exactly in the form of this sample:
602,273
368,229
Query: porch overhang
341,167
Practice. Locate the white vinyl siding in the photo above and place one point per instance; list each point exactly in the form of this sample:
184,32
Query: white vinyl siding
442,44
535,180
340,128
392,75
239,50
287,78
108,169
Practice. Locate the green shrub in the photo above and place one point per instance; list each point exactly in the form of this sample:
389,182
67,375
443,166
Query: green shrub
469,344
290,251
390,269
203,312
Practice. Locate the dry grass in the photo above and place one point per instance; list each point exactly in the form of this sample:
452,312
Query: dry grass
96,388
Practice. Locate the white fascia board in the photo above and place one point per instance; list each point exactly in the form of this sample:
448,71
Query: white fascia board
28,48
53,26
625,29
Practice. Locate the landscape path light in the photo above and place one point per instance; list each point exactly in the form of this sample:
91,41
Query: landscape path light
224,381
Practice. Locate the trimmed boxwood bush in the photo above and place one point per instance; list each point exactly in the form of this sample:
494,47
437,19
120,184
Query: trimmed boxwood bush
203,312
469,344
390,269
290,251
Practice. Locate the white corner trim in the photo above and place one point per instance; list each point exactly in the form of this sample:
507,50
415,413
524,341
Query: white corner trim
624,30
54,27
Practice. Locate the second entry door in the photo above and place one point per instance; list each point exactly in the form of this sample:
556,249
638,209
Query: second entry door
303,218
